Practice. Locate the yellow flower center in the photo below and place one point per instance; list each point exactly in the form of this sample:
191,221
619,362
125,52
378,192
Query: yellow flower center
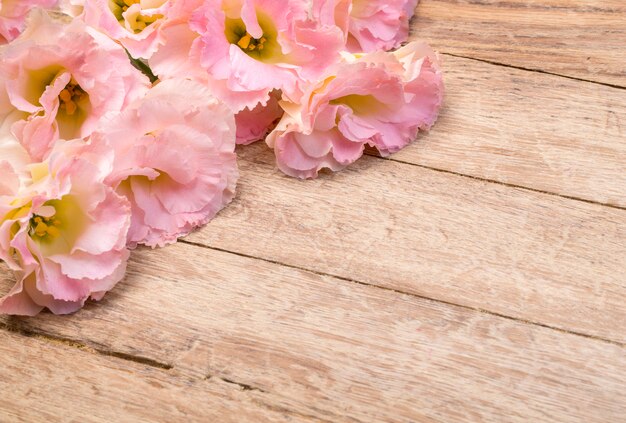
361,105
17,213
248,43
71,95
57,225
265,48
125,4
44,227
74,104
137,22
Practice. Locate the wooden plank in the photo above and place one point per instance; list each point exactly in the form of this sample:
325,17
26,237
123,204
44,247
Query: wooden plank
578,38
40,381
343,351
522,254
529,129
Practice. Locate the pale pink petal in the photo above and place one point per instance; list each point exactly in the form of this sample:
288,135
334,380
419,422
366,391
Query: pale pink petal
52,57
18,302
174,160
76,246
379,99
13,14
293,49
379,24
254,125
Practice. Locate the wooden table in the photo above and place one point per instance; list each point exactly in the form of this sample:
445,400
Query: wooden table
479,275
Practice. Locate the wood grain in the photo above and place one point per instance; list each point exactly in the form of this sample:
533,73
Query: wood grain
343,351
578,38
336,302
522,254
43,381
529,129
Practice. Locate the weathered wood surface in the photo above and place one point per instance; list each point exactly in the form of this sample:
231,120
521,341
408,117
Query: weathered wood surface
343,351
527,255
54,382
529,129
437,285
582,39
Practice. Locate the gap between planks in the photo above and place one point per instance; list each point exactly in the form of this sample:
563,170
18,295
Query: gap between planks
493,181
422,297
242,217
535,70
99,350
373,153
553,36
199,351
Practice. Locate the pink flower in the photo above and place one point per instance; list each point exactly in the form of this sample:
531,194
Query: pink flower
136,24
174,160
369,25
64,235
72,7
254,125
13,16
58,80
380,99
248,48
13,153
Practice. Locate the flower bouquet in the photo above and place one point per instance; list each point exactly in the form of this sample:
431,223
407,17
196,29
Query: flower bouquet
119,119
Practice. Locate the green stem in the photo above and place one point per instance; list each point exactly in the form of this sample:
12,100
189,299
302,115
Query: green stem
143,67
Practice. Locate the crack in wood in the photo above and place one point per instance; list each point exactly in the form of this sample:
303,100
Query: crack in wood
242,386
16,328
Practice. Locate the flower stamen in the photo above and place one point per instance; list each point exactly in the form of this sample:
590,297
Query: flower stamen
69,96
125,4
138,21
251,44
44,227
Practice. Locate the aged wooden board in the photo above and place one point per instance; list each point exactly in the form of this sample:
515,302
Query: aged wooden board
523,254
529,129
343,351
578,38
422,288
44,381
